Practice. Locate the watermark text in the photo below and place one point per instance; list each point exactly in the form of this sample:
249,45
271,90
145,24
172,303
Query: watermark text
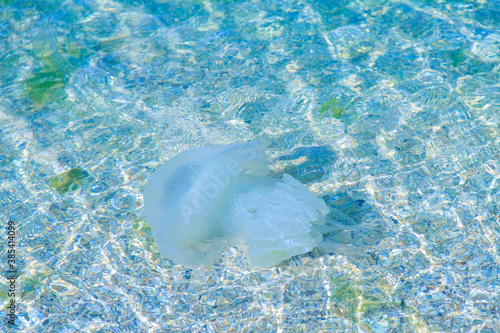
11,272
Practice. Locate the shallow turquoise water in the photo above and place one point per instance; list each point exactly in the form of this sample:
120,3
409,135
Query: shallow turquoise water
402,99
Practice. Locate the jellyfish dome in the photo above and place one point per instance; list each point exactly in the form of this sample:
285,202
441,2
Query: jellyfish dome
207,198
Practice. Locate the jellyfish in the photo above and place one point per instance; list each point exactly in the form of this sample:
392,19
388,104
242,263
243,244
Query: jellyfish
208,198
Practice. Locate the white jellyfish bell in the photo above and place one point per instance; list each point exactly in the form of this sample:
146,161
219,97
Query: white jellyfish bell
207,198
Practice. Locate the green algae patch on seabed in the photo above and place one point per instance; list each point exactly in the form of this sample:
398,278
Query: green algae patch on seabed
54,64
70,180
142,234
353,300
45,85
332,108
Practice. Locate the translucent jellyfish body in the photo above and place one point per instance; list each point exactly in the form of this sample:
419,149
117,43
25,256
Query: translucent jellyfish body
205,199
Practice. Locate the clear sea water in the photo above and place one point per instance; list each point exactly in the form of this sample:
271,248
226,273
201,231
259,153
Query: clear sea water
389,110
